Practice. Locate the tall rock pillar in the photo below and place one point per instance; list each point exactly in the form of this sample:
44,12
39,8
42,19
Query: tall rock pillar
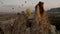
41,25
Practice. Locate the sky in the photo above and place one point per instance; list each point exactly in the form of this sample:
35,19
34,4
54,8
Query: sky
31,3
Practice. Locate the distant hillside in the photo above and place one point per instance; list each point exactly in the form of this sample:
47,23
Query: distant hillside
54,16
54,10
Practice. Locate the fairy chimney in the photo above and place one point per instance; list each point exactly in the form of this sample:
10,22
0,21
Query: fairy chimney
41,25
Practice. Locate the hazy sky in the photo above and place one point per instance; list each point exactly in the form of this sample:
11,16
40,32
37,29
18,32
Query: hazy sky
31,3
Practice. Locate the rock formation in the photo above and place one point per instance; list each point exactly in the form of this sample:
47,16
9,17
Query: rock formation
20,26
24,24
41,25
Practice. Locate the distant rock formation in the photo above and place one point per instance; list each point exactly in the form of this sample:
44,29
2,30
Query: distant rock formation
54,16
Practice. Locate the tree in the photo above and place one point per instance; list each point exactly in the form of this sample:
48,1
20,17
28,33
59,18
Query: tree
28,11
